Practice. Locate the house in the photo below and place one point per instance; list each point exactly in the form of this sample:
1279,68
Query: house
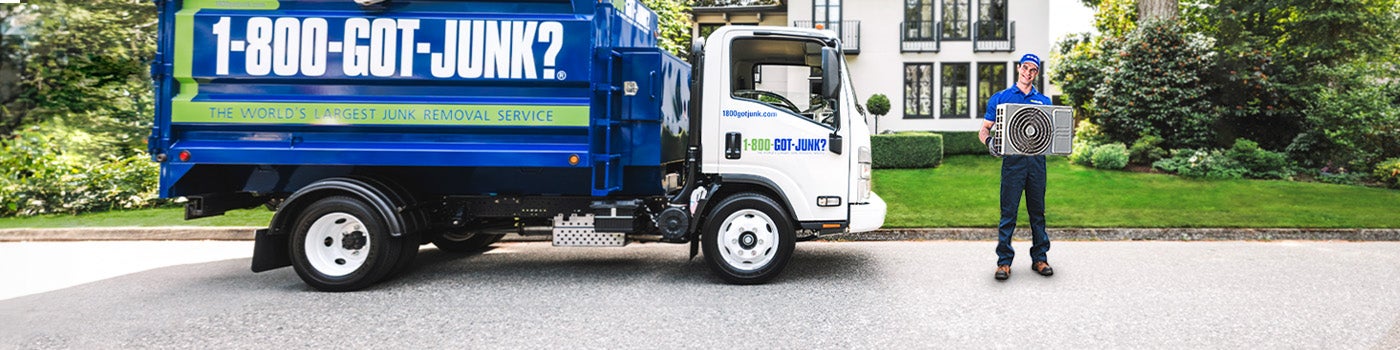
938,61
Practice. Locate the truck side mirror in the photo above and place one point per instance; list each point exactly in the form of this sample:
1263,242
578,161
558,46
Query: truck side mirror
831,72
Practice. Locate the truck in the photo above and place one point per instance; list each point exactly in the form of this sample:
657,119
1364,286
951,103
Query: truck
374,130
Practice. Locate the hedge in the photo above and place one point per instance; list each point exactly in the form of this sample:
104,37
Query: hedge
907,150
962,142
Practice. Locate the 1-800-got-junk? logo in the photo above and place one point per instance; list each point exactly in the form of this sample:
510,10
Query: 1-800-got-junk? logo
384,47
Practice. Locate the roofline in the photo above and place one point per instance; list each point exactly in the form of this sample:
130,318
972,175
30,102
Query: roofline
731,9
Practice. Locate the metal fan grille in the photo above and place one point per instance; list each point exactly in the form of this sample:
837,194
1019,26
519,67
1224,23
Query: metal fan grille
1030,131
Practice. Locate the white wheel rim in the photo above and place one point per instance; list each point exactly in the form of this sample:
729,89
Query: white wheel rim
748,240
326,244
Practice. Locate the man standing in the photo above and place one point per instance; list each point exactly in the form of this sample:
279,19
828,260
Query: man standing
1020,173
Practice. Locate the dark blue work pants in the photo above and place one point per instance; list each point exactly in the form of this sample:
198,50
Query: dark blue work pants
1020,173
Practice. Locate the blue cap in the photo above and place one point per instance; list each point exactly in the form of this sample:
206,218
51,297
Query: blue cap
1030,57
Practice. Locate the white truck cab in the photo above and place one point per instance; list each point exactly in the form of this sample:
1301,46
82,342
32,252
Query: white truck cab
781,103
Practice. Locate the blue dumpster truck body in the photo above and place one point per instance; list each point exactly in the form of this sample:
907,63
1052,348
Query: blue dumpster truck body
372,130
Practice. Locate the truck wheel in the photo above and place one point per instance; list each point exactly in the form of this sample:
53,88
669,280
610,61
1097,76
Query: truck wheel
748,239
463,241
342,244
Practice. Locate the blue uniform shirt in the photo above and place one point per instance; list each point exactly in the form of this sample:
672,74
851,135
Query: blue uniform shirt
1013,95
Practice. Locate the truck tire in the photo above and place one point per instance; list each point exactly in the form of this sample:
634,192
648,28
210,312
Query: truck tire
342,244
463,241
410,245
748,239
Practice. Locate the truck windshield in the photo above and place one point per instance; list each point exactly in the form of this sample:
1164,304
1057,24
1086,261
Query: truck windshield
784,73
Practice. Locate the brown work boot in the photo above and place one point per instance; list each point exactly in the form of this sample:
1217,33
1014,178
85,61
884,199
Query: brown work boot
1003,272
1042,268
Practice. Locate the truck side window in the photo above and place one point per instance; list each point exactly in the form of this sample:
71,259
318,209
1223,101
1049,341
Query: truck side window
784,74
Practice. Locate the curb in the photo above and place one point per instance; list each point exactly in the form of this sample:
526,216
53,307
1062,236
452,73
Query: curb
1133,234
165,233
196,233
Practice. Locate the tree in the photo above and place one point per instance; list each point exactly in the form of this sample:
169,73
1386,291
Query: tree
1274,57
1153,86
1115,18
878,105
86,67
76,121
13,107
1080,70
1165,10
673,21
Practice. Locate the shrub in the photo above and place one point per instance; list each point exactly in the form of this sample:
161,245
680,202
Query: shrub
42,179
1082,153
1112,156
962,143
1388,172
1153,86
1259,163
1089,132
1244,160
878,104
1342,178
1146,150
1211,164
906,150
1355,124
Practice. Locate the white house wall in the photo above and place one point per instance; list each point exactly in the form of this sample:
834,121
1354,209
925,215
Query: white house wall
879,67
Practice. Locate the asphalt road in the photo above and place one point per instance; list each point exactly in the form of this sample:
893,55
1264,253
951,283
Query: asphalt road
834,295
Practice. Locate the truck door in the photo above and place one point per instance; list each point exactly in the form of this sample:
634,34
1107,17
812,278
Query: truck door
777,127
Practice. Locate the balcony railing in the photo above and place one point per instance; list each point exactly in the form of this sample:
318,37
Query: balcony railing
993,36
920,36
848,30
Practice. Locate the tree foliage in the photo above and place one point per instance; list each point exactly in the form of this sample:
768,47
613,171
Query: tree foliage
1353,124
1116,18
1080,70
1315,78
878,104
1273,55
1153,86
73,134
86,64
673,21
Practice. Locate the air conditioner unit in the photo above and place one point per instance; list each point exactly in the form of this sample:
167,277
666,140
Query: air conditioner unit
1025,129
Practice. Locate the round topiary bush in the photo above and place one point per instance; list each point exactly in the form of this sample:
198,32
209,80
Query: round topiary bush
878,104
1112,156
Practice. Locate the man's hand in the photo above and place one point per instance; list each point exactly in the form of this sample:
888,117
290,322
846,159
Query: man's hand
990,148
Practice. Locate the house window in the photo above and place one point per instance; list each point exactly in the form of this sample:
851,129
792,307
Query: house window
991,20
918,20
918,90
955,19
955,94
991,78
826,14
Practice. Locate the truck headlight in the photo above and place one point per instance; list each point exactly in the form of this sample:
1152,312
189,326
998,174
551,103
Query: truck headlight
866,182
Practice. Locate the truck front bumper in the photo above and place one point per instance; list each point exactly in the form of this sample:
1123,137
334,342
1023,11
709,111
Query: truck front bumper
868,216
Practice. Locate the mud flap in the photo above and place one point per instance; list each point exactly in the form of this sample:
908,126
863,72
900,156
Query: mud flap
269,251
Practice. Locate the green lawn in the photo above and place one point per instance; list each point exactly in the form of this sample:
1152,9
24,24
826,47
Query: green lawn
963,192
147,218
